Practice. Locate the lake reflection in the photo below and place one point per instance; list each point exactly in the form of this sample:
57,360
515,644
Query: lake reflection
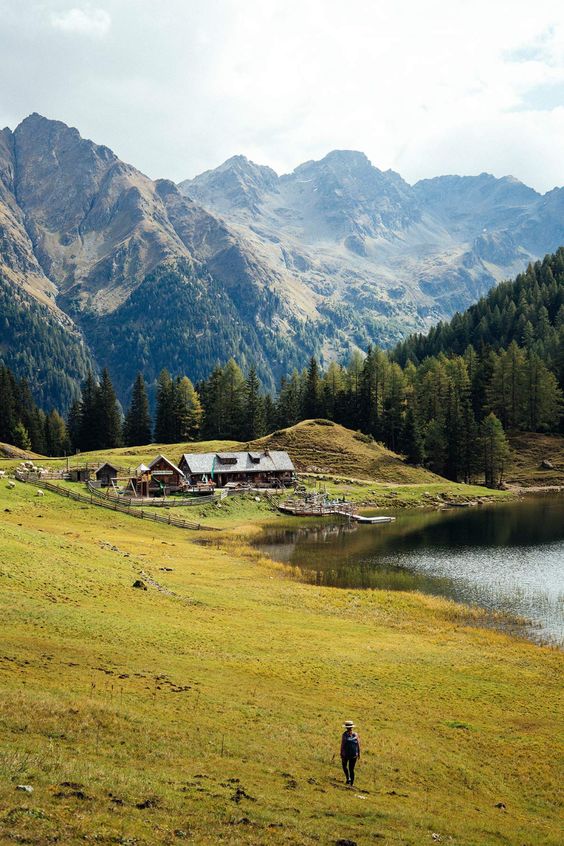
507,557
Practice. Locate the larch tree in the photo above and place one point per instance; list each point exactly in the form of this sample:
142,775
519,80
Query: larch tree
495,450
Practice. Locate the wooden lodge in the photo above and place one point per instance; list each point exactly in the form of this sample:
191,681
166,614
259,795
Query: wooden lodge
265,468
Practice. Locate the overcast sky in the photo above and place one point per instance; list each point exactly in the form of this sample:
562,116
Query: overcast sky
425,87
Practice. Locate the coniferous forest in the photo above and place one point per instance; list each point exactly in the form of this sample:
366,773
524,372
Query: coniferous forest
443,400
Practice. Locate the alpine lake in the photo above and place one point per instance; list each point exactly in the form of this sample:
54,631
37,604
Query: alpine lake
506,557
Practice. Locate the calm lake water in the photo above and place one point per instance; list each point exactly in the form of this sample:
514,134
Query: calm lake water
507,557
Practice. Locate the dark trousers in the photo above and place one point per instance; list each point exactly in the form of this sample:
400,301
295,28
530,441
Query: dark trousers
348,768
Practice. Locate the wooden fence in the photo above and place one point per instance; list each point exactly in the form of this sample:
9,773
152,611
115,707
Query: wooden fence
117,506
154,502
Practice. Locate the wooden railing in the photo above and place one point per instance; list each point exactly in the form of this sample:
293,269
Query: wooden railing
157,502
113,505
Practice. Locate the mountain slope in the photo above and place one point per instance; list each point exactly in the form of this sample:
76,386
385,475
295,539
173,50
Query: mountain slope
85,233
374,254
132,273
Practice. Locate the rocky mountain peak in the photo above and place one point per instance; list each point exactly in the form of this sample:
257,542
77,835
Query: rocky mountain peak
238,183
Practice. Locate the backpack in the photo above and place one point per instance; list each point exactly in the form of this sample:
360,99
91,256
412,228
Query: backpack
351,745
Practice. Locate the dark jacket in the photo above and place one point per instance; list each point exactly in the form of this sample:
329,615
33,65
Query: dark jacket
350,745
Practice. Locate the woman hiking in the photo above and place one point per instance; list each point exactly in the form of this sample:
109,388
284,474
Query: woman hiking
350,750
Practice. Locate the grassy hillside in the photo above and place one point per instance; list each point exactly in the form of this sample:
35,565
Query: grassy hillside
9,451
335,450
210,709
528,451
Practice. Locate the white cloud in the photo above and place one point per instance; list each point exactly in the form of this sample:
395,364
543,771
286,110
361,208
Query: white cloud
84,21
426,88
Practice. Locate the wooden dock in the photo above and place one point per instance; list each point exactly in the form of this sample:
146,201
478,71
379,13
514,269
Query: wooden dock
319,507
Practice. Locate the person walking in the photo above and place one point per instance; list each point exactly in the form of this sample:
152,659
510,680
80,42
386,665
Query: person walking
350,750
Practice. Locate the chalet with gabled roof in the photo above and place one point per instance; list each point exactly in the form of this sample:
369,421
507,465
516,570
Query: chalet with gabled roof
259,468
164,476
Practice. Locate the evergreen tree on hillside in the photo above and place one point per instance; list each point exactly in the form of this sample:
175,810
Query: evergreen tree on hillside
411,442
289,403
137,425
74,424
109,415
187,410
332,387
56,435
21,437
393,408
165,429
495,450
89,432
8,420
312,399
543,398
211,392
254,422
233,397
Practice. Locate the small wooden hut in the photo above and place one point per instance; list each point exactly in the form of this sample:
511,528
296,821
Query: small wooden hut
80,474
106,474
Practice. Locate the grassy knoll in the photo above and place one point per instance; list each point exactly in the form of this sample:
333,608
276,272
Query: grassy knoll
331,448
528,450
212,712
12,452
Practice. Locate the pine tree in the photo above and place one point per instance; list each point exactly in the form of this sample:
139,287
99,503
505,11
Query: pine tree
56,436
165,422
393,407
233,397
270,414
74,424
21,437
90,429
312,402
289,404
109,414
495,450
137,426
333,384
8,419
411,443
254,412
213,404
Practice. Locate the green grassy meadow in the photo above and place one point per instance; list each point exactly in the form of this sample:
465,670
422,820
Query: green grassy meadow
208,708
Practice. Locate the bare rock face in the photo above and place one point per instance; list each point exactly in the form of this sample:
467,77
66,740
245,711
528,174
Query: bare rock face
96,224
374,251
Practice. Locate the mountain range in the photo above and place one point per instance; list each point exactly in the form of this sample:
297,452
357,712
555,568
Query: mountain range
101,266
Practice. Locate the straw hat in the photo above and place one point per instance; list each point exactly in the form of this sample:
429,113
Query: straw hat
348,724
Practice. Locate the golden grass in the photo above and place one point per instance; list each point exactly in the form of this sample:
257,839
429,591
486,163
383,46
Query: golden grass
528,450
214,710
332,449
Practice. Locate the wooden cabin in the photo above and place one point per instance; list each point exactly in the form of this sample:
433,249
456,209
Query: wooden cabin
264,468
165,477
106,474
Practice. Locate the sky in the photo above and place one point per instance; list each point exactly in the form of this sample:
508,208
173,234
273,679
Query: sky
175,87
